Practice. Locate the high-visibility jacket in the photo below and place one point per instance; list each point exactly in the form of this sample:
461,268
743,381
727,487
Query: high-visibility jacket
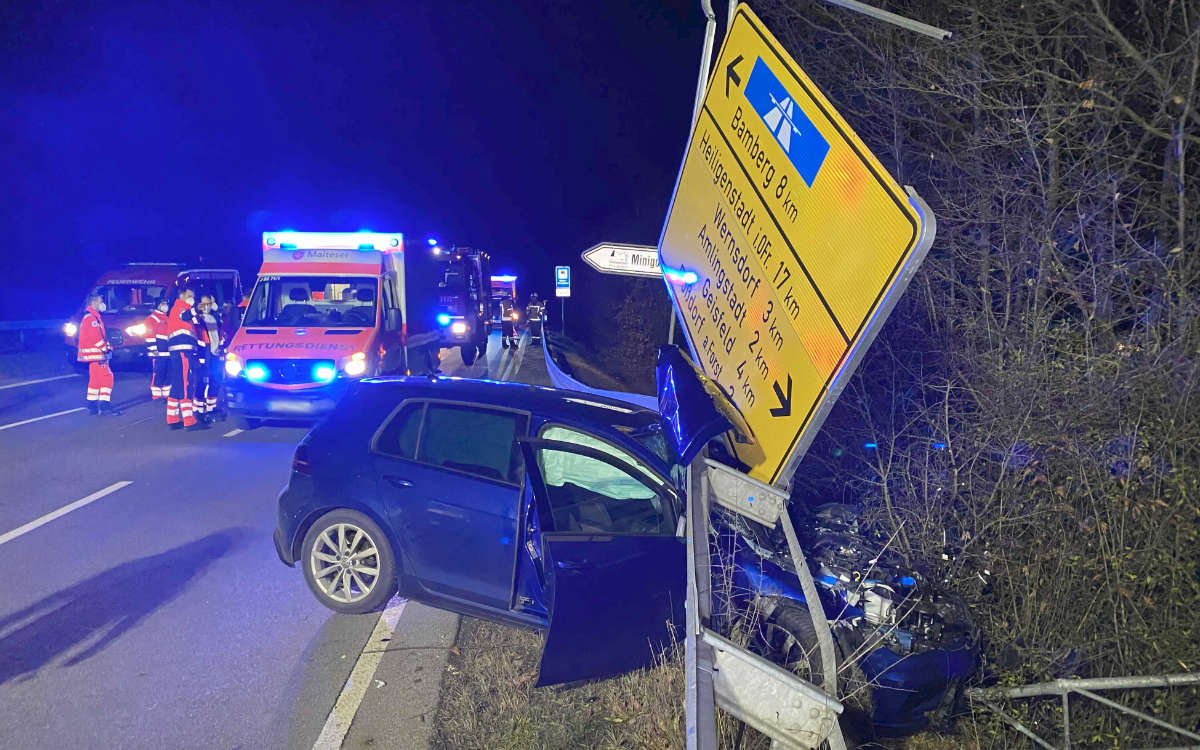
93,343
181,328
156,334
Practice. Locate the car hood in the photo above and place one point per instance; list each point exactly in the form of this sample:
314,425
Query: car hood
694,409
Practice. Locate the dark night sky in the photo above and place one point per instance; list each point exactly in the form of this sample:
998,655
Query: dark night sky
168,130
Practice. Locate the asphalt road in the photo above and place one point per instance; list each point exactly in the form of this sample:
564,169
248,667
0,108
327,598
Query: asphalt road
157,615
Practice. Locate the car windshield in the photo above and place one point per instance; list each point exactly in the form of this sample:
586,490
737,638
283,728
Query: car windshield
129,296
318,301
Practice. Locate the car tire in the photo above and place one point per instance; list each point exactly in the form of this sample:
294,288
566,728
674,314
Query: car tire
467,351
341,579
787,637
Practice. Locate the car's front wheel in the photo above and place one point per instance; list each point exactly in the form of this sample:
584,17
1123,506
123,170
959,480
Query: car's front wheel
348,562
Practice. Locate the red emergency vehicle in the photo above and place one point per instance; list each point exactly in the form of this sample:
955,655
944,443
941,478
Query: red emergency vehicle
327,308
132,291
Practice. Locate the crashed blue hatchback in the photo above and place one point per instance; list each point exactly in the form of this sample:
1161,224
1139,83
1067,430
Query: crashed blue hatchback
562,511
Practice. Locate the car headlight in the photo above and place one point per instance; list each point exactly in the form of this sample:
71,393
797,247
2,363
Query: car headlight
357,364
138,329
459,327
233,365
70,329
515,316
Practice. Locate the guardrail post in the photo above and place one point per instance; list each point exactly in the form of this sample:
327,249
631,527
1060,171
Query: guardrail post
700,708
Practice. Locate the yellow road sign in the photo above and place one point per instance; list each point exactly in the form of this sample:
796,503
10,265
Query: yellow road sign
799,238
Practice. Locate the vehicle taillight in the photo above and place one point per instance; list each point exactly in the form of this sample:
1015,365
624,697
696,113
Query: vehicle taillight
300,461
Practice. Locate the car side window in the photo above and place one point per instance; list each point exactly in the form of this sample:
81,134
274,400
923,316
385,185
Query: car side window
476,441
590,496
399,437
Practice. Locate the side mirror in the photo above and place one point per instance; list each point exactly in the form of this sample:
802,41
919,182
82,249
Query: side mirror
393,320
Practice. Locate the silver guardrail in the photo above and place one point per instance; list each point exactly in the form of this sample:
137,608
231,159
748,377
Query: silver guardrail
1088,688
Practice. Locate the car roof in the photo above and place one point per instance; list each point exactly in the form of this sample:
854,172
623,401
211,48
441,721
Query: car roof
551,402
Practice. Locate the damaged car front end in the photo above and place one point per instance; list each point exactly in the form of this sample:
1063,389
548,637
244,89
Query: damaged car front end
905,643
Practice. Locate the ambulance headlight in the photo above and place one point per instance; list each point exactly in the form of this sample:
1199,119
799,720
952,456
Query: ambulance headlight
324,373
356,366
233,365
458,328
70,329
443,319
256,373
136,330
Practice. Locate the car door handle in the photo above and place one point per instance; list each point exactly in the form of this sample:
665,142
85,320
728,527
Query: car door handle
397,481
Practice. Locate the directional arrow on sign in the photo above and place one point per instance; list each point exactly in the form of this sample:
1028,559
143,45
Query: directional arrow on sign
623,260
731,75
785,401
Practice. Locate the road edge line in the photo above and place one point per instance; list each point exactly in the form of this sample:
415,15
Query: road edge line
337,724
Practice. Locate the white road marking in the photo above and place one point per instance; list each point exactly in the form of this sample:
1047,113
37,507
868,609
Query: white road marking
231,433
333,734
10,425
38,522
39,380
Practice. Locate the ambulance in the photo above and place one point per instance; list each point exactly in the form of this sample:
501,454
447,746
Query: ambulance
132,291
327,309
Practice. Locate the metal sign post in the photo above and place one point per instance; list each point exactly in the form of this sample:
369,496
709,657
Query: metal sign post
562,290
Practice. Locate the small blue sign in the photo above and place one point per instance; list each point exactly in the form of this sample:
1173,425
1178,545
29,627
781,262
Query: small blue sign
562,277
796,134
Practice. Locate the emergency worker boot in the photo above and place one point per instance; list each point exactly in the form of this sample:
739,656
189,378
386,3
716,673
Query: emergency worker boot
107,410
200,425
93,408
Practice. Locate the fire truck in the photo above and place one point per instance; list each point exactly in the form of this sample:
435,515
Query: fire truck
460,306
132,291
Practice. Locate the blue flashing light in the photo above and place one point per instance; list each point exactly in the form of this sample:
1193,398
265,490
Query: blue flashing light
506,279
939,446
870,446
908,581
363,240
443,319
257,373
828,580
679,276
324,373
432,242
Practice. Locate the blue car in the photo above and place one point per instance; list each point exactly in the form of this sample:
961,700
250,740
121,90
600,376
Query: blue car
553,510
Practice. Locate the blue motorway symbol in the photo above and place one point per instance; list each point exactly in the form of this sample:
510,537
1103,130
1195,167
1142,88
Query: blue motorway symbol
796,134
562,276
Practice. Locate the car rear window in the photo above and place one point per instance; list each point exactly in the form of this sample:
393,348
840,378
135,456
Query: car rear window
477,441
399,438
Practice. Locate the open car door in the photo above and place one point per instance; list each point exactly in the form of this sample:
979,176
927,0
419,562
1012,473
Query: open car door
615,569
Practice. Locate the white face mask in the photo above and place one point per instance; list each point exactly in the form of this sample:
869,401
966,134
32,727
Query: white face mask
101,307
191,301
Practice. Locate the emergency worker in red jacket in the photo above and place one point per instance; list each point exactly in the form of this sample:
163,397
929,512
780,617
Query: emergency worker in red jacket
156,350
183,345
96,351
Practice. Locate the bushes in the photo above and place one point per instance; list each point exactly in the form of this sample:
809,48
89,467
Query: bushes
1034,398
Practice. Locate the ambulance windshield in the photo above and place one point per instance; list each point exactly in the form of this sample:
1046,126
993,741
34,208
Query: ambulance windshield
317,301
